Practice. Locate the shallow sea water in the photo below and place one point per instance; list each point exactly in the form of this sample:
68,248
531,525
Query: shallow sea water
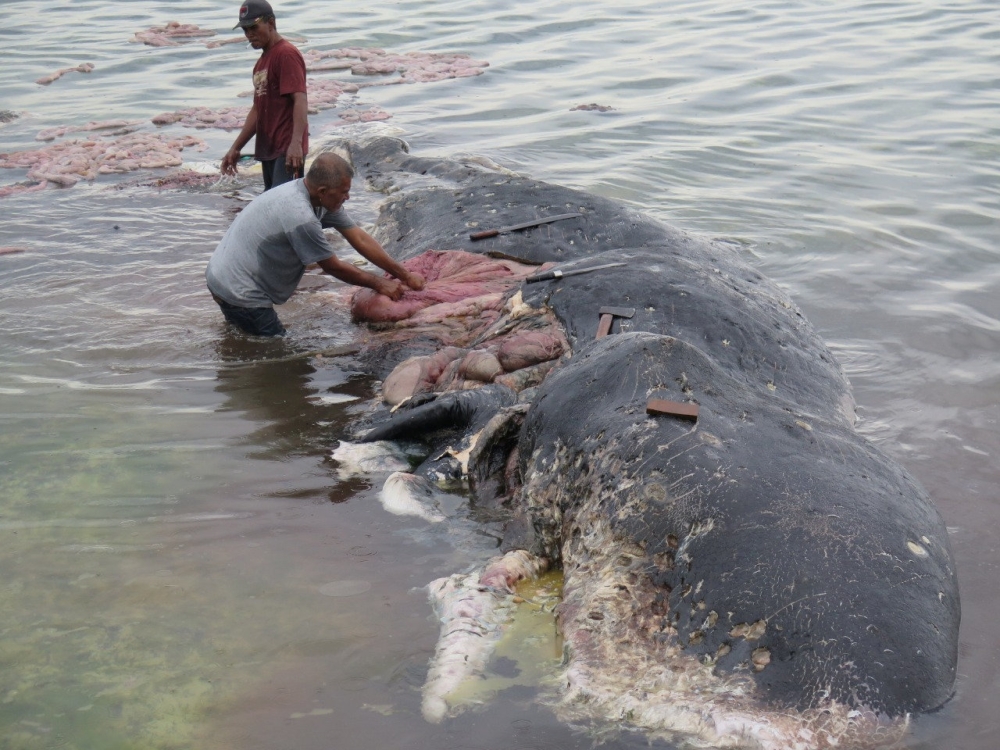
183,566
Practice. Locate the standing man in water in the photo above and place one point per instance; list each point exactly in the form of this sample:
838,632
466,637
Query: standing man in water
266,249
278,117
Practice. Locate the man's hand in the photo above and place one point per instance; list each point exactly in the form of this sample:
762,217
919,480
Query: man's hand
293,159
232,156
229,161
351,274
369,249
390,288
415,281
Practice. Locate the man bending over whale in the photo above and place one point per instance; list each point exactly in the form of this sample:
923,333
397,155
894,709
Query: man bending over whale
266,250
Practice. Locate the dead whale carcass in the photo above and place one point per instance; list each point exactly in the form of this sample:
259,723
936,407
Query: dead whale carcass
764,572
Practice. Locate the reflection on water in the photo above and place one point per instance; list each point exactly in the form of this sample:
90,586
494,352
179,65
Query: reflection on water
275,385
172,525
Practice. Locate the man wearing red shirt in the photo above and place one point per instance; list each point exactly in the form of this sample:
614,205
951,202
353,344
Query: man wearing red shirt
278,115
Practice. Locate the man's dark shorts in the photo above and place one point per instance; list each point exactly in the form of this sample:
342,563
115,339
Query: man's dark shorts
257,321
275,173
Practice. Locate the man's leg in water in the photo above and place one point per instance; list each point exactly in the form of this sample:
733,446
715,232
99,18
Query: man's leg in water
257,321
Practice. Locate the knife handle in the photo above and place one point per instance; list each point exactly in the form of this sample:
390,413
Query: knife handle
484,234
544,276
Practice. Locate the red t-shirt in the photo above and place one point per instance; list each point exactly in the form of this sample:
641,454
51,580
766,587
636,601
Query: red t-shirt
279,72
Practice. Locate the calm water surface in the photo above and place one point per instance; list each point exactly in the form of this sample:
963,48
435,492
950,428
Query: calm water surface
181,563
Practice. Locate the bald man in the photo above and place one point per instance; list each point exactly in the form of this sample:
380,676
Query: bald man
265,251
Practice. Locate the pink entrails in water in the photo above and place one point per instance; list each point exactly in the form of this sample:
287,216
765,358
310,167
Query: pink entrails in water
372,114
183,179
422,67
222,42
82,68
121,127
323,93
228,118
66,162
164,36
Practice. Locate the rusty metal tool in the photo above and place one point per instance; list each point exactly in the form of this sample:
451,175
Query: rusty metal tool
672,408
608,315
557,274
526,225
507,256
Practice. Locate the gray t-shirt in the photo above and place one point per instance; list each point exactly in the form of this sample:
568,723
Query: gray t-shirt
266,250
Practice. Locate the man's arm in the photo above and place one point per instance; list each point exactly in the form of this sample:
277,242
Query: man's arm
354,275
372,251
249,130
294,158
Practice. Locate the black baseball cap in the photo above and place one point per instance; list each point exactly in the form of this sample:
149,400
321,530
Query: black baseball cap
253,10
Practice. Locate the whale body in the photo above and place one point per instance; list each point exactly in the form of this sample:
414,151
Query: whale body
763,571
